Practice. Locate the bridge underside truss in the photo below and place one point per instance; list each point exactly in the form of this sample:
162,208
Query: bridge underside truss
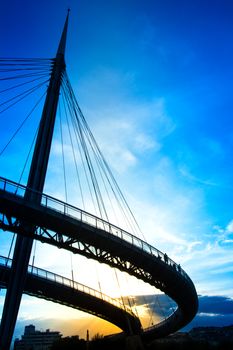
80,247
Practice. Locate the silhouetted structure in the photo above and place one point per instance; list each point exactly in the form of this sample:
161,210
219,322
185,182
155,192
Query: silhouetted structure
35,216
35,182
36,340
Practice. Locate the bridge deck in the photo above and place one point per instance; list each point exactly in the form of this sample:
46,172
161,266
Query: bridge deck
50,286
68,227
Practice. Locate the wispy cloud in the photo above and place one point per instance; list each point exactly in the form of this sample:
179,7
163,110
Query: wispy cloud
229,227
123,124
189,176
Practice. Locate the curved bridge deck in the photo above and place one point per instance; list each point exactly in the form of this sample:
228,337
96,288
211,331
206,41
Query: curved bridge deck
68,227
50,286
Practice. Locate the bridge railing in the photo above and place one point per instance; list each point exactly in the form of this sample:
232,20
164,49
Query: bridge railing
68,283
87,218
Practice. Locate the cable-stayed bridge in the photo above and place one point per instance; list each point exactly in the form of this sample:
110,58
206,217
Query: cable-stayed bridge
26,211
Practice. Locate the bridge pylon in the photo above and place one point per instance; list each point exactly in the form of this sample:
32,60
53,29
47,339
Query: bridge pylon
35,182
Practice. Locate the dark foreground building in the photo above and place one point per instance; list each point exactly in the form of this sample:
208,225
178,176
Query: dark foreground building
36,340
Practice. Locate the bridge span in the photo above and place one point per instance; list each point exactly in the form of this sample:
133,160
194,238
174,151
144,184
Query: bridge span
53,287
68,227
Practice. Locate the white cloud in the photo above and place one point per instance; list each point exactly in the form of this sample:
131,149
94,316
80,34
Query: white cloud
186,173
229,227
228,241
224,234
193,245
205,314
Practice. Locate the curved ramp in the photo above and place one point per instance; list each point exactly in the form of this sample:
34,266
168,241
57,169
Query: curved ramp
68,227
50,286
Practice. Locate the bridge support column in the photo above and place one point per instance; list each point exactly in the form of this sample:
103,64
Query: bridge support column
134,342
36,180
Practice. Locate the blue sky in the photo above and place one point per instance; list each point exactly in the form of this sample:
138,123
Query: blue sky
153,79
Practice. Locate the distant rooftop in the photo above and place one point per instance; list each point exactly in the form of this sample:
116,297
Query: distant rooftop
36,340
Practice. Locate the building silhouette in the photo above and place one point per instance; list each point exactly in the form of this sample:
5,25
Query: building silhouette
33,339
